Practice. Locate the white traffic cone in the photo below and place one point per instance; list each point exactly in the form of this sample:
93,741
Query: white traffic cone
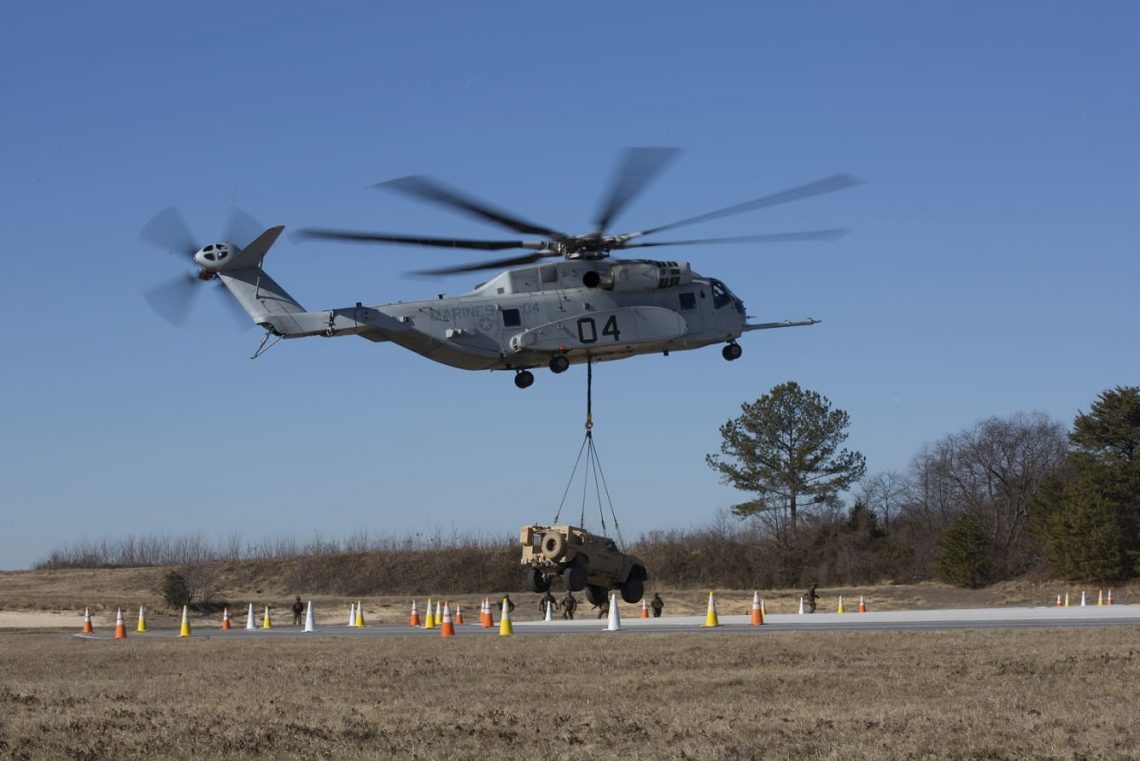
249,619
352,614
549,612
801,605
1082,598
614,624
309,618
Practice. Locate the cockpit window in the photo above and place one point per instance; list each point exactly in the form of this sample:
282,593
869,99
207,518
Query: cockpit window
721,296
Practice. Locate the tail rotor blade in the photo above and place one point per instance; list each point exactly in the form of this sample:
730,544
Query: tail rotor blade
241,228
173,300
168,230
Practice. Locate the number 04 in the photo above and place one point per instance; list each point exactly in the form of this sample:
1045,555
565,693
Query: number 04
588,329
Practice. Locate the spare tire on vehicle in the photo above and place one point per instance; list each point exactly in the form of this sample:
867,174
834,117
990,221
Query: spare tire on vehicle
553,545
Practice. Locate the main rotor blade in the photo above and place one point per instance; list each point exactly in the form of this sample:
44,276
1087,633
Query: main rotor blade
173,299
168,230
490,265
819,187
430,190
417,240
241,228
770,238
641,165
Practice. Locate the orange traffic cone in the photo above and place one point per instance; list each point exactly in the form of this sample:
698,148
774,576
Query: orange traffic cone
644,608
414,619
88,627
458,615
1059,603
120,627
862,605
1109,601
446,628
226,625
488,617
757,612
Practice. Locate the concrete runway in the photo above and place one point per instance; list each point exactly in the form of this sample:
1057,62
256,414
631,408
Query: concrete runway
918,620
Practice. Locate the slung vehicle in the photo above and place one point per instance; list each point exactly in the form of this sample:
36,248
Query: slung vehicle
536,313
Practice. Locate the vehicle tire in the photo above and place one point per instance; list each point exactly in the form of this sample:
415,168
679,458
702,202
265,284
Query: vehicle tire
596,595
731,352
574,578
553,545
559,363
633,588
524,379
536,580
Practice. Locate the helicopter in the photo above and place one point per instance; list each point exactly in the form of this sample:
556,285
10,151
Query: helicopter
566,301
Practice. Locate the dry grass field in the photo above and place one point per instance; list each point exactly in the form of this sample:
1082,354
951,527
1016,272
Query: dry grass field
1042,694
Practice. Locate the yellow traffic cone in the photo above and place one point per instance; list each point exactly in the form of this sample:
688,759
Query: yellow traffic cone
763,607
710,616
185,630
840,609
505,629
359,622
429,616
1066,599
439,613
266,622
1100,598
142,620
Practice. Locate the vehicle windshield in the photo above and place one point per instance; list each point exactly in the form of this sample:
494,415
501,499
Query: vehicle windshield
721,295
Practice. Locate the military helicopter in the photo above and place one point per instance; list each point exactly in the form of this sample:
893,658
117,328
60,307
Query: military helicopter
564,302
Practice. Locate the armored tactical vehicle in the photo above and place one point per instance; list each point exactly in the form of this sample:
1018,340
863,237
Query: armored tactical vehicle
583,560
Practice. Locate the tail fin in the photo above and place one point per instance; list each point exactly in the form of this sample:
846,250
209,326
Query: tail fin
263,299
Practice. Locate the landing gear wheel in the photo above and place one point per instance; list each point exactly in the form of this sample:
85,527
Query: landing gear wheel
596,595
731,351
559,363
524,378
633,588
536,581
574,578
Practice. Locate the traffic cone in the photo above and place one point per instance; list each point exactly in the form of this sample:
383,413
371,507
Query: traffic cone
249,623
1059,603
120,627
840,609
1066,599
505,629
429,617
141,627
862,605
458,615
266,623
757,611
1082,598
446,628
359,622
644,608
801,605
549,612
1100,598
88,627
710,616
1110,597
226,625
414,619
614,623
351,615
486,619
185,630
309,618
438,613
763,607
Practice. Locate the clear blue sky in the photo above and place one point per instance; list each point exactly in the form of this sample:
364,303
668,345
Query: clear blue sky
992,269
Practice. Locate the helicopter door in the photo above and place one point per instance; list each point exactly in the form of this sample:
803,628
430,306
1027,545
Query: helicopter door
688,305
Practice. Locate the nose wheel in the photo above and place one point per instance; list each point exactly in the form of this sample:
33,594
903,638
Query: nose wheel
524,378
559,363
731,351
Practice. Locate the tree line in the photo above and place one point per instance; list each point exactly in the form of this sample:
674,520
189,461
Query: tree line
999,499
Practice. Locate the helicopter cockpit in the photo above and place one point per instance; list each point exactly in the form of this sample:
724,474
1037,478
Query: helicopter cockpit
722,297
